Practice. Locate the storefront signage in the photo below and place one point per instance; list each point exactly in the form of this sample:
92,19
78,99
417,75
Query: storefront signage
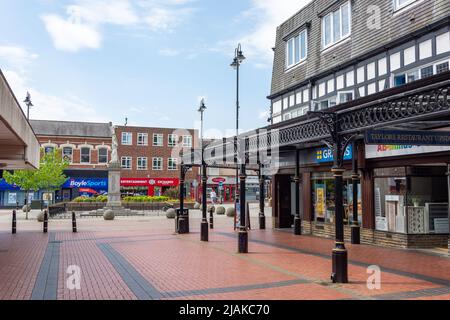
324,155
384,151
219,180
402,137
320,200
6,186
144,182
91,183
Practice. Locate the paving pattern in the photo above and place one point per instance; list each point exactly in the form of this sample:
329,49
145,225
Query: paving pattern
142,259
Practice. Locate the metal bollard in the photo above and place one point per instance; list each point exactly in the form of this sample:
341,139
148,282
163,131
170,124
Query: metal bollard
211,217
74,223
14,222
45,221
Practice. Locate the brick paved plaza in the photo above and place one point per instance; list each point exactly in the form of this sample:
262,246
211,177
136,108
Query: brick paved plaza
142,258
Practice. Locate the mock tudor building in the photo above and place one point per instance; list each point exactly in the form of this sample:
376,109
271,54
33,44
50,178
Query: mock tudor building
333,52
150,162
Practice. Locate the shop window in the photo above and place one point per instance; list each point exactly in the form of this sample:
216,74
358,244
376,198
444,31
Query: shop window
412,200
324,197
102,155
85,155
67,154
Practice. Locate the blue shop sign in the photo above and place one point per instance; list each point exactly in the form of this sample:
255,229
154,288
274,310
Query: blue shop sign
94,183
324,155
6,186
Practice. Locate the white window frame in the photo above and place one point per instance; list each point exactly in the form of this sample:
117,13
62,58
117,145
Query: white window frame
160,166
140,167
187,143
107,155
342,36
398,6
339,93
126,158
174,162
292,40
160,140
419,70
127,143
172,137
144,137
71,153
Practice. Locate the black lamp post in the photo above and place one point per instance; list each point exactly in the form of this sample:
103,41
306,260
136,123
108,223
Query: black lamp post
204,225
29,104
243,234
237,61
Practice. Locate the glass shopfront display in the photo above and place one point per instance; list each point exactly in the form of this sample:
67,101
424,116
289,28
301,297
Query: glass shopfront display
411,200
323,198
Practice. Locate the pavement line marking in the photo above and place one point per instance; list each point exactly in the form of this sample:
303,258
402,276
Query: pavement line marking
46,285
438,281
306,280
141,288
187,293
433,292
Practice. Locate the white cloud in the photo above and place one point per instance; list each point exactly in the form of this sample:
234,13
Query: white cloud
16,56
81,27
267,16
71,35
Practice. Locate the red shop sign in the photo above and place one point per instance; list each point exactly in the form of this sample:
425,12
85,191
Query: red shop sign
144,182
219,180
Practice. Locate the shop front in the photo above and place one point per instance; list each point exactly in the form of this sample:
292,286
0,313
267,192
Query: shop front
410,194
87,187
148,186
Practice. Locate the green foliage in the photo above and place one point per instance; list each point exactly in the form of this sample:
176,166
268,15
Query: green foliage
146,199
173,193
97,199
51,171
25,179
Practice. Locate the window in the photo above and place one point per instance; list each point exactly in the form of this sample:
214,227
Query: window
103,155
344,97
142,139
296,49
142,163
85,155
409,55
48,150
172,164
67,153
336,25
360,75
425,49
413,76
371,71
382,66
276,107
157,163
126,163
350,78
443,43
127,138
172,140
158,140
395,61
399,4
187,141
399,80
442,67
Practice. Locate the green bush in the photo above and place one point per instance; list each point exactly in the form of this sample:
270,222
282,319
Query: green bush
173,193
146,199
91,199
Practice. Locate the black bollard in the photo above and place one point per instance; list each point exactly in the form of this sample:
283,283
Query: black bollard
74,223
211,217
45,221
14,222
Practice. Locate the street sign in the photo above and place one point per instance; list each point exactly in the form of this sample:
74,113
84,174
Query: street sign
412,138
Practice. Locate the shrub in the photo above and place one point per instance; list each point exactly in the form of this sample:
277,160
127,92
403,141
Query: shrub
146,199
91,200
173,193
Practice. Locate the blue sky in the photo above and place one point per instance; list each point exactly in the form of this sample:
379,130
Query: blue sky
148,60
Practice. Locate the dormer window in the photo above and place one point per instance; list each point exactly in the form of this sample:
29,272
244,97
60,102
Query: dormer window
336,26
296,49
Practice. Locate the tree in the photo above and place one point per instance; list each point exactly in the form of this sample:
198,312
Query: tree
49,177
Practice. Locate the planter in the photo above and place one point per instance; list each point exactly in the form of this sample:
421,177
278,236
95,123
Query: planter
171,214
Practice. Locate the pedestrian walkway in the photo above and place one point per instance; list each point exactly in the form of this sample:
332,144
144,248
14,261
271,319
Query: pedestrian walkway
142,259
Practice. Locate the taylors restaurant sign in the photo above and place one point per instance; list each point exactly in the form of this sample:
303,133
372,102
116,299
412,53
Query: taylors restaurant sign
403,137
384,151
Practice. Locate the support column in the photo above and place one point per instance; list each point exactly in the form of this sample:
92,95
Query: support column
243,233
356,229
298,219
262,196
339,256
448,177
182,219
204,236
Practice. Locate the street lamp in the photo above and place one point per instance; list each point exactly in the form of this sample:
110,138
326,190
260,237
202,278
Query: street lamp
29,104
243,234
204,224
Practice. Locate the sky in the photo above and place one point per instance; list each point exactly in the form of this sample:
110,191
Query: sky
150,61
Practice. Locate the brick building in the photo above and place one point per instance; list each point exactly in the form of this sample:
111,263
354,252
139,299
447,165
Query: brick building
149,164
